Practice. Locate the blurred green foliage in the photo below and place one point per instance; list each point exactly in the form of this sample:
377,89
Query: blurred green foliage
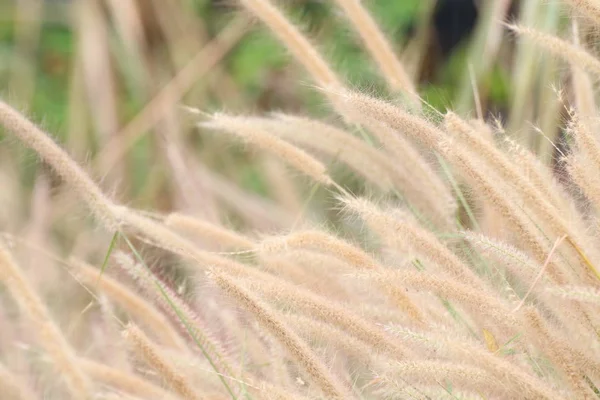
253,65
249,63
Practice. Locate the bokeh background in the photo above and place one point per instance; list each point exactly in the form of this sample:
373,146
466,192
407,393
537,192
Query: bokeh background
110,79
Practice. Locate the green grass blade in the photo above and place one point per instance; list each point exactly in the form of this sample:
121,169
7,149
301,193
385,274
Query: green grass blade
111,247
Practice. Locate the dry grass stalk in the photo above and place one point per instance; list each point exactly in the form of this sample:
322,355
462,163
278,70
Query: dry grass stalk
163,237
123,381
188,185
435,372
313,239
292,155
149,352
433,199
446,344
402,301
318,372
363,109
135,305
48,335
551,216
111,340
352,255
171,93
484,184
328,311
530,277
389,124
312,330
270,392
506,256
578,293
293,40
587,142
60,161
541,273
482,304
283,189
206,231
97,69
256,211
556,350
291,267
336,143
494,158
393,226
560,48
521,226
587,8
393,70
189,320
583,89
537,173
580,169
430,196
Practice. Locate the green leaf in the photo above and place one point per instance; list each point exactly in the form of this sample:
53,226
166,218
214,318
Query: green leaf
111,247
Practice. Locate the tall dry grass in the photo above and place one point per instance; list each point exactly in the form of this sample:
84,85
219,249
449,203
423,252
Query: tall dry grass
466,268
